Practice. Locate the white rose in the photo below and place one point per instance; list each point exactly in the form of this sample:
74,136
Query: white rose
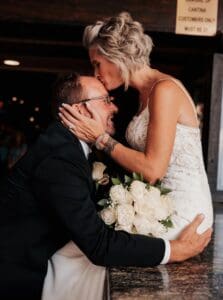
152,205
127,228
143,207
158,230
128,198
160,209
161,206
125,214
143,225
137,189
98,170
104,180
167,202
119,195
152,194
153,198
108,215
161,213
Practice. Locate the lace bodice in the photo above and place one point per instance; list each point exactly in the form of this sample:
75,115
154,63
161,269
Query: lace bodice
185,176
186,156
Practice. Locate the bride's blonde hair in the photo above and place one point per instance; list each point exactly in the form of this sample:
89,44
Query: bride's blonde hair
122,41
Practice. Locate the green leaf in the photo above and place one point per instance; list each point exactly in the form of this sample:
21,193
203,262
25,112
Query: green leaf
164,190
115,181
103,202
127,179
167,222
137,176
158,184
148,186
141,177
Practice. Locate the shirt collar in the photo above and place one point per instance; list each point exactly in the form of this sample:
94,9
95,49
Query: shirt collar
87,150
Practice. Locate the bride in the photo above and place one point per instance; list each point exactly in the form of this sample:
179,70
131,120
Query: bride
164,135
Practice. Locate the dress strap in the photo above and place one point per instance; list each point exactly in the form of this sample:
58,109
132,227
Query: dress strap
155,83
180,85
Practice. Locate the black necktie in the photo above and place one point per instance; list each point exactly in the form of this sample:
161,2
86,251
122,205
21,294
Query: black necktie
91,157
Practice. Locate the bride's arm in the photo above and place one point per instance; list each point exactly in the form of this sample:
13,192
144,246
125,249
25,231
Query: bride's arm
164,108
164,112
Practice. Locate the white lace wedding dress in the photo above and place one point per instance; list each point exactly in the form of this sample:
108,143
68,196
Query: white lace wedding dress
71,276
186,176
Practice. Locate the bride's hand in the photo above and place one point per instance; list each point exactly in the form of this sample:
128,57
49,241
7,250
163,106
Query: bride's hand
85,128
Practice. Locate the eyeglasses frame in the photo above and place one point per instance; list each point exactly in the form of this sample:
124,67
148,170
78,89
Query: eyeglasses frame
107,98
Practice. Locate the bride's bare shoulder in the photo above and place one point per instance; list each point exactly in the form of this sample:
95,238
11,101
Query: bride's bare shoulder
167,87
165,96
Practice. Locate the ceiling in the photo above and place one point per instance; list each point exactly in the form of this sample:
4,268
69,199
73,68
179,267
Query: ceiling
46,36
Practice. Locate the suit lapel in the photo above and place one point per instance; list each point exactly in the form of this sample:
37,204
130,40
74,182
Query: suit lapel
58,134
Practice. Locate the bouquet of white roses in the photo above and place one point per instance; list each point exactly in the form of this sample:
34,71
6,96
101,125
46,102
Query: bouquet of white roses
137,207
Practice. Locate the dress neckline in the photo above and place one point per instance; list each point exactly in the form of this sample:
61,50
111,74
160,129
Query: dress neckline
179,125
139,114
191,128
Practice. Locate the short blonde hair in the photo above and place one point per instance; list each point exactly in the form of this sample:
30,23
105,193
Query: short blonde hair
122,41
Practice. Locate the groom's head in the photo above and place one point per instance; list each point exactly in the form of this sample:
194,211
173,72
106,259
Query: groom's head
83,92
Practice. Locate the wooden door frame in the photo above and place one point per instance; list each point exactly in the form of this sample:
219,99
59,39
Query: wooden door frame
216,128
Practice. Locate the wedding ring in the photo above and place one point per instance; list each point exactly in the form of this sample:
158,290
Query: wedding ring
71,127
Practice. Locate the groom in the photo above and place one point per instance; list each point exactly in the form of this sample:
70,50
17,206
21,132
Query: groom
49,199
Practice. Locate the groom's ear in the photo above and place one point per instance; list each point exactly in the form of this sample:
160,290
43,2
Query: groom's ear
82,109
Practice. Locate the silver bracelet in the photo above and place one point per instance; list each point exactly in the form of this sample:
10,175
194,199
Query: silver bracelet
106,143
110,145
101,141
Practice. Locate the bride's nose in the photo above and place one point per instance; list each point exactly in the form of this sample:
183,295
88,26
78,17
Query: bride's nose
97,75
96,72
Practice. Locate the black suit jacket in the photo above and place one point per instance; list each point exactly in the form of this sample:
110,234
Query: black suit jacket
47,201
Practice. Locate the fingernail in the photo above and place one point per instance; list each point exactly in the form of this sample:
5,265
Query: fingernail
63,104
60,108
60,114
202,216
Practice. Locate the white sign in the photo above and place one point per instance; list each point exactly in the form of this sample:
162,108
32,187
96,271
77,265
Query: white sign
197,17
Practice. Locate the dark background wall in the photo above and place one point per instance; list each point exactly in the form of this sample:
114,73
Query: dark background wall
156,15
45,36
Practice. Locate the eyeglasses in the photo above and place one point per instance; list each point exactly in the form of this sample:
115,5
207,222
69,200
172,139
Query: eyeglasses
107,99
